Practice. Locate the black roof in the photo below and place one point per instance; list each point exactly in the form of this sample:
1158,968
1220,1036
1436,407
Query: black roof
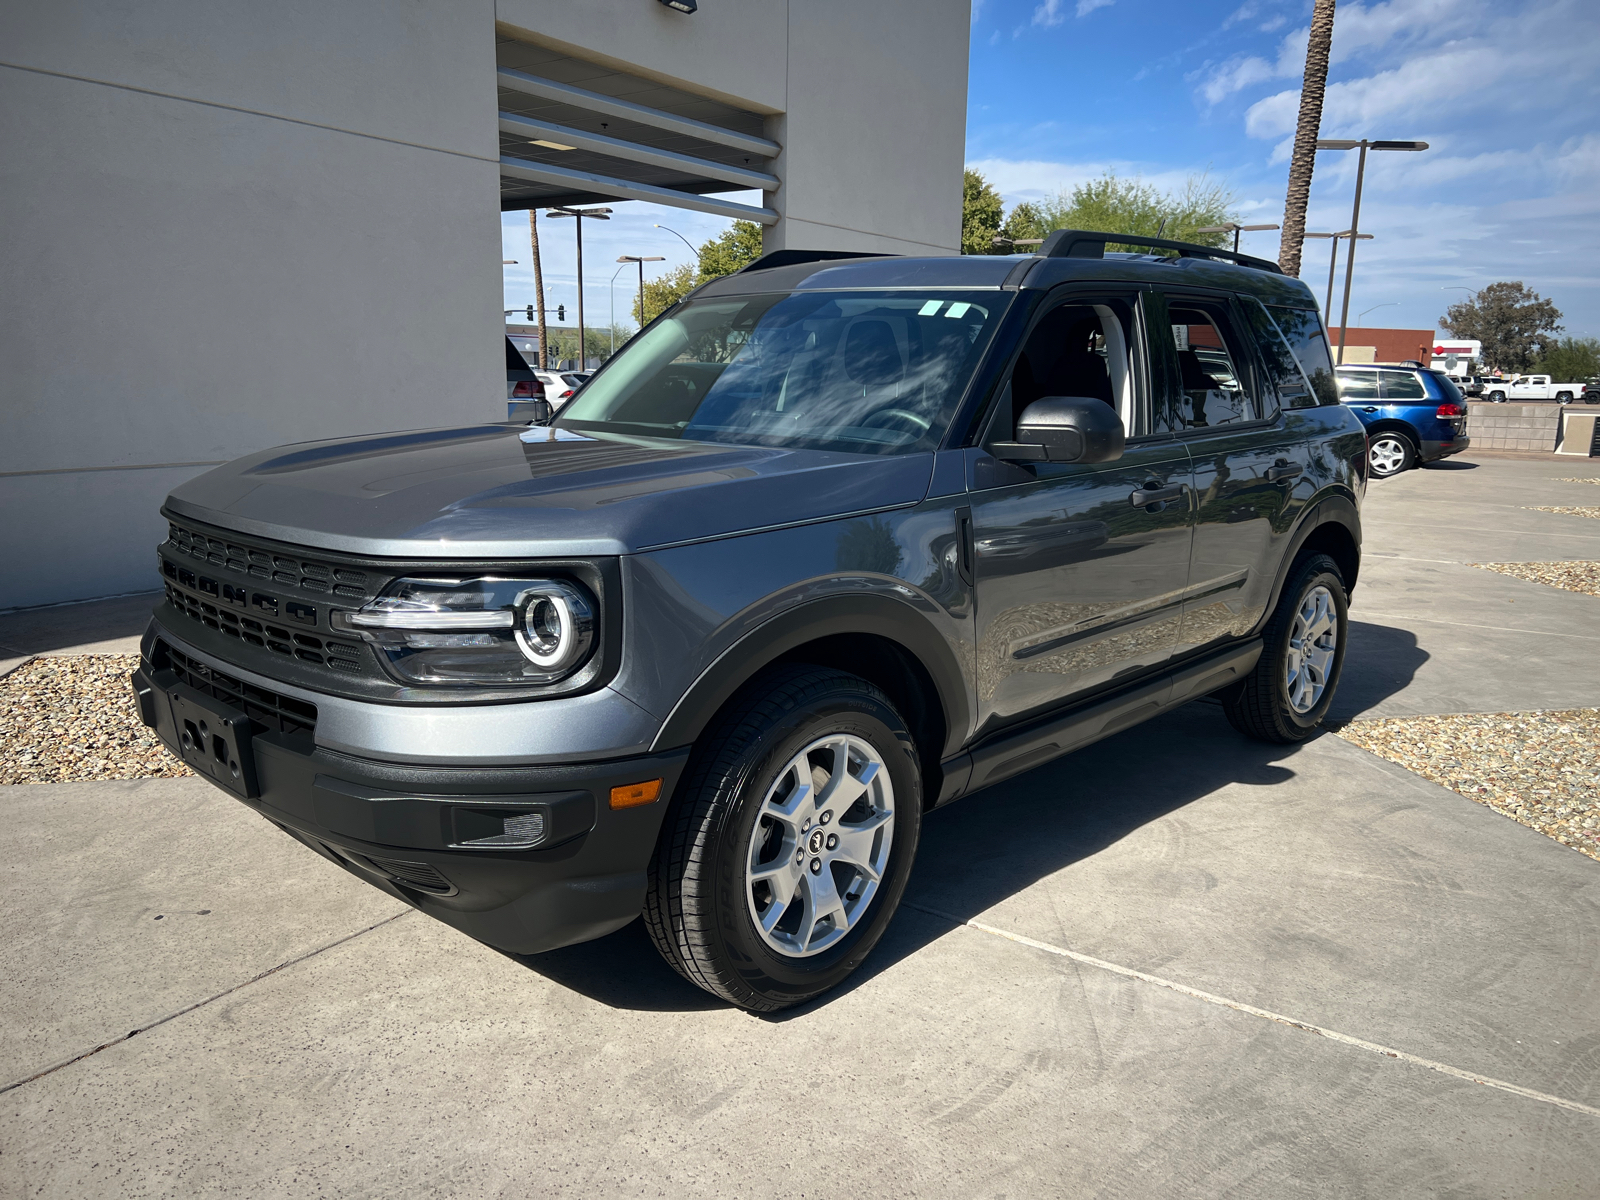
983,272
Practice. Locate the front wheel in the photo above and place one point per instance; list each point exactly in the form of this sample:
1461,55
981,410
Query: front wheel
1389,454
1288,694
1497,397
788,848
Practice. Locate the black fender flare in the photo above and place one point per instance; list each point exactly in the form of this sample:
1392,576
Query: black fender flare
1338,508
877,615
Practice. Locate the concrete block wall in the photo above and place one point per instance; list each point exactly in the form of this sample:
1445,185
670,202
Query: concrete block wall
1513,426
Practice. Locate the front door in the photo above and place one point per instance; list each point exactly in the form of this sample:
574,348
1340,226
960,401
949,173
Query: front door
1079,570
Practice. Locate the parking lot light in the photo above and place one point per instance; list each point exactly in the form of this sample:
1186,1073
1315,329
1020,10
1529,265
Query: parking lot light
1333,261
1236,230
1355,215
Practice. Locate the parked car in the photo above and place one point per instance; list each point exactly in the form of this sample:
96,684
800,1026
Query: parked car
524,389
560,385
1412,415
1534,387
840,541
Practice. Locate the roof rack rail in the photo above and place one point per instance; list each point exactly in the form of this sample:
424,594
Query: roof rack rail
1086,243
790,258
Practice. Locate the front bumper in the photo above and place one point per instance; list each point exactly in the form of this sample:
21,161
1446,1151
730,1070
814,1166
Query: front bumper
400,826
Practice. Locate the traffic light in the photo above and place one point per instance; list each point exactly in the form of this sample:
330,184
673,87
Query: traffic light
530,312
561,312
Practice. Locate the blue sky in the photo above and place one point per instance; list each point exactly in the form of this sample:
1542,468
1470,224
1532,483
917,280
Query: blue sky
1507,94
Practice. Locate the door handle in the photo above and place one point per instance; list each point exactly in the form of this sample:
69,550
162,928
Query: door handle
1281,470
1153,493
1369,408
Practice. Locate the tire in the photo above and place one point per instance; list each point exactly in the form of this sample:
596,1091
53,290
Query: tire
1267,705
1497,397
727,850
1563,397
1390,453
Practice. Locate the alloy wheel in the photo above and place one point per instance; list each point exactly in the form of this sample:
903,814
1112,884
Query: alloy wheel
1387,455
820,845
1313,640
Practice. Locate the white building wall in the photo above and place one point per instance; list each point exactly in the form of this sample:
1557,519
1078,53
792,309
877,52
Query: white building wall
231,225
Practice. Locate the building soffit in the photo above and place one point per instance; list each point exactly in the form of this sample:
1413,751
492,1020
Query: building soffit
630,138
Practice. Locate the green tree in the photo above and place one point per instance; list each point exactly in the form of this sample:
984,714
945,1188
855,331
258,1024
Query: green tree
1513,322
1570,360
730,251
980,215
662,292
1022,222
1111,204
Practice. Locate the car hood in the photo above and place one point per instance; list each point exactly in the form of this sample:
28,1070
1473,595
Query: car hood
516,491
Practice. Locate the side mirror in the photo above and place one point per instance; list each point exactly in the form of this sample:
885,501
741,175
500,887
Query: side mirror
1065,429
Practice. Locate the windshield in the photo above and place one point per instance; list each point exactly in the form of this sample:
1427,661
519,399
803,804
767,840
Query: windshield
862,372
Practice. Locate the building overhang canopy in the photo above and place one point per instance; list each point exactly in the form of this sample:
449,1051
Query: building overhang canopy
573,132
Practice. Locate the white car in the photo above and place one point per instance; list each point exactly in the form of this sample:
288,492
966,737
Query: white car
559,385
1533,387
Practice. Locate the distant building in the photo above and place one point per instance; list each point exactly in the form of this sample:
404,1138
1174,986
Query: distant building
1385,345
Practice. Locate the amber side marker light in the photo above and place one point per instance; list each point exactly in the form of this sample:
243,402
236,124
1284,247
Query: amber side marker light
634,794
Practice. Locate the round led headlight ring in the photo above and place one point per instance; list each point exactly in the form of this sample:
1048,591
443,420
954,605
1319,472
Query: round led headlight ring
555,627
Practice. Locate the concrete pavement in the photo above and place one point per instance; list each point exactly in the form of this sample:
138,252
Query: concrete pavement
1324,885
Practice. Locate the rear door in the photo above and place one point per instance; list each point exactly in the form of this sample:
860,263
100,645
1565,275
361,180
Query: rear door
1248,457
1079,569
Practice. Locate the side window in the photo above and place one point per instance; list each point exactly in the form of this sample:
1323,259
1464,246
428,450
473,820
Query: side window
1214,382
1401,385
1303,330
1283,369
1358,385
1084,347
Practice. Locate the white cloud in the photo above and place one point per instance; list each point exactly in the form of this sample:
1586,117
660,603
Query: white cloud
1048,13
1234,76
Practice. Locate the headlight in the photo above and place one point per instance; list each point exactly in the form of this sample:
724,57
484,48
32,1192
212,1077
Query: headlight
478,632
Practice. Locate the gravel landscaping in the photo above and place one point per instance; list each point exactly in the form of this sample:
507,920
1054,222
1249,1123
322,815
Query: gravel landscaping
1541,769
1572,576
72,719
1566,510
1578,479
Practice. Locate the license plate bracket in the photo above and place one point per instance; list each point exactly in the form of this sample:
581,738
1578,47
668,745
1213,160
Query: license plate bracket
214,740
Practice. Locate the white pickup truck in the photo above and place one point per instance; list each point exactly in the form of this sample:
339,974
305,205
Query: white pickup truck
1532,387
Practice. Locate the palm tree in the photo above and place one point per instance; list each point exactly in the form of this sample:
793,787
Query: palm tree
538,285
1305,136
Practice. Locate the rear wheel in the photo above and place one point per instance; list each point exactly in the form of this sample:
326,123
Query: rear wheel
1288,694
1497,397
787,850
1390,453
1563,397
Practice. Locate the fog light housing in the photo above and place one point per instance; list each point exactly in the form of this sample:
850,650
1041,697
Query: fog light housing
519,831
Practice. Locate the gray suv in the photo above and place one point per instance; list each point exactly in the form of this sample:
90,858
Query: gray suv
833,542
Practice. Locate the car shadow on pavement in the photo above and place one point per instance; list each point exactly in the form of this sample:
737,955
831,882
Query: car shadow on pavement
1450,464
991,845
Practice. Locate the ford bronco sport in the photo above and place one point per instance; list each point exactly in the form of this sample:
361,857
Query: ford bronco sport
833,542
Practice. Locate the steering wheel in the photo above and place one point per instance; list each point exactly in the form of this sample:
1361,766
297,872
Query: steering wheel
888,417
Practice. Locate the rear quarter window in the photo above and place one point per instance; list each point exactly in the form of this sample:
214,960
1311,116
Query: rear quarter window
1302,329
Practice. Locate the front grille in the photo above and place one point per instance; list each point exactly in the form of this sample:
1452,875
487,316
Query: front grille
307,575
323,652
293,718
419,875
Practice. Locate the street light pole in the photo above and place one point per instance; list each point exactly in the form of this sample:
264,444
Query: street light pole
1375,307
1333,262
612,289
682,239
578,214
641,260
1354,233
